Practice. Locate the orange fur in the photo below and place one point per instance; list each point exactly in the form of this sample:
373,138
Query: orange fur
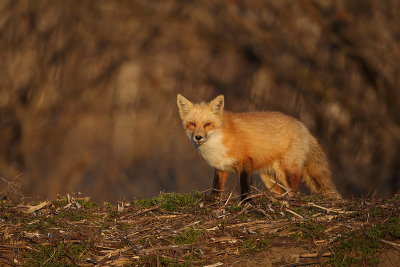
277,146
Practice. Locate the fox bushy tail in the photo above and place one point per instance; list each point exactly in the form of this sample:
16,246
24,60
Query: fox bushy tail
317,175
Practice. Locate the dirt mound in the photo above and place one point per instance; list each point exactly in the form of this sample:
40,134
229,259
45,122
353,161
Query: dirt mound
88,89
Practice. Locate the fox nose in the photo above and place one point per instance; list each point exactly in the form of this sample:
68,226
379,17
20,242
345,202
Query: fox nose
198,137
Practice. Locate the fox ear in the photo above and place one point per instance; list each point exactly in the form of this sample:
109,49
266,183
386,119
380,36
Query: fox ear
184,105
217,105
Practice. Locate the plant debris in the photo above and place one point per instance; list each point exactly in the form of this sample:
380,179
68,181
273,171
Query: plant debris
197,230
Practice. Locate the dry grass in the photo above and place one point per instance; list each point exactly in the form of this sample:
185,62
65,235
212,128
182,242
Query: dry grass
196,230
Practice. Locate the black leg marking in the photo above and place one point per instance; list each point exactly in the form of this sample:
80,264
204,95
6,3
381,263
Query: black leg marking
246,180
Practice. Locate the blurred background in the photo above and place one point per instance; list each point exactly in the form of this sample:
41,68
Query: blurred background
88,88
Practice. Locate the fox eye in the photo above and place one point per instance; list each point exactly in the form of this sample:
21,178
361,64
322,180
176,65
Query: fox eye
207,124
192,124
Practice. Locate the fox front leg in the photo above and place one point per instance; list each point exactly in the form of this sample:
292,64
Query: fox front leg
246,180
219,182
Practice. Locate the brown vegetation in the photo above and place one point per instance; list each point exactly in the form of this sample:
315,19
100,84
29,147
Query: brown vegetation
87,88
194,230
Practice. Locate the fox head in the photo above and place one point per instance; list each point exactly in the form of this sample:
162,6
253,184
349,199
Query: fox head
202,120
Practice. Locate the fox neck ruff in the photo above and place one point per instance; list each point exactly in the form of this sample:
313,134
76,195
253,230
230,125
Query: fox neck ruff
215,153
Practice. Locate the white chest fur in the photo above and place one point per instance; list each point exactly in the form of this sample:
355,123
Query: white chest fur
215,153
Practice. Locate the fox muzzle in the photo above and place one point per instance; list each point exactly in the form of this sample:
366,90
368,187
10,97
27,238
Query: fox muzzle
199,139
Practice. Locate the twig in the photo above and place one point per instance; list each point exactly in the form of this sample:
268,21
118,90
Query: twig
250,197
226,239
70,258
54,252
329,210
205,191
30,209
287,191
261,211
214,265
306,231
174,247
147,210
294,213
281,186
301,264
395,245
128,242
229,197
10,262
316,255
241,212
192,224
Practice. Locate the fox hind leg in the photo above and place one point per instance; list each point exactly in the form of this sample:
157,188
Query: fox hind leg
271,184
294,181
276,179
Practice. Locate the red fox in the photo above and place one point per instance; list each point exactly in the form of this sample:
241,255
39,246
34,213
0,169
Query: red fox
275,145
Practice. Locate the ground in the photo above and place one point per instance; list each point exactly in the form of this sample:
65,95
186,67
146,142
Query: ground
197,230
